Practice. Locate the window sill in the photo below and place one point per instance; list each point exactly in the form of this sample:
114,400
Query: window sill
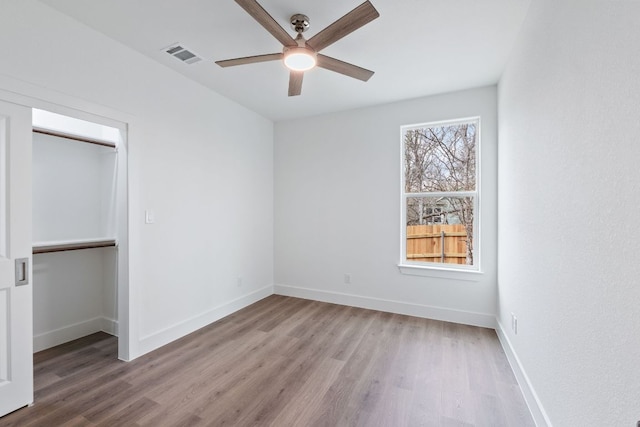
441,273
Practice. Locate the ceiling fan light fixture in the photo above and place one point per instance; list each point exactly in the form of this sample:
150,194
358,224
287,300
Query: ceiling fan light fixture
300,59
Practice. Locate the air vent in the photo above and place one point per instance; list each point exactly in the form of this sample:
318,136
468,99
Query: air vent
182,53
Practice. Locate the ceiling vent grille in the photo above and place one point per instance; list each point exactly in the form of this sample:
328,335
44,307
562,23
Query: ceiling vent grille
182,53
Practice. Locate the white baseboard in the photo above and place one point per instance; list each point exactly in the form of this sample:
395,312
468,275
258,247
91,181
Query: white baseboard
68,333
110,326
535,407
167,335
399,307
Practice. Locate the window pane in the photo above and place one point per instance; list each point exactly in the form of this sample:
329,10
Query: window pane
440,229
440,158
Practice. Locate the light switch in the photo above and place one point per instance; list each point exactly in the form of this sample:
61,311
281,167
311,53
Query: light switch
149,217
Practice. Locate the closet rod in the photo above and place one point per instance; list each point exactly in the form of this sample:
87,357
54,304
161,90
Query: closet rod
102,142
73,246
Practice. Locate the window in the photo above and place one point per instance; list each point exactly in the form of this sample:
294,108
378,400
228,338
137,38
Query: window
440,194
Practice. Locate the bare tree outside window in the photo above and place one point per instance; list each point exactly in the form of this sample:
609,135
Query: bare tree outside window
440,170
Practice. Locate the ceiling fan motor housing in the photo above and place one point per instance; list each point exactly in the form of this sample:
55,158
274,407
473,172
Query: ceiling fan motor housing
299,22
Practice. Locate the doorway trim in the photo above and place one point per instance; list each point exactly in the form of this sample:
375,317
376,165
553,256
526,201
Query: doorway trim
33,96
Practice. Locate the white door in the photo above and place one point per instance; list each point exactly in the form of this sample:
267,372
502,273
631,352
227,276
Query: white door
16,330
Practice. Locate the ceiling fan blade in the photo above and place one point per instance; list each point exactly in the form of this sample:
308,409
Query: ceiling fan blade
249,59
262,16
295,82
329,63
350,22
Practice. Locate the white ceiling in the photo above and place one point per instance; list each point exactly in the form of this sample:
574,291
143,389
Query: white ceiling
416,47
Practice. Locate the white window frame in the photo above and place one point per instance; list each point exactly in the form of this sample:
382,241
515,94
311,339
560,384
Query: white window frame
432,269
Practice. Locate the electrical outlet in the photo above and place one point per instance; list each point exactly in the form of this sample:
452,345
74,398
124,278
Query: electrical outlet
347,278
514,324
239,281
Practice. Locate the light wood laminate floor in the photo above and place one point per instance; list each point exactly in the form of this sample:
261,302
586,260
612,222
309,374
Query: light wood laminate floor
285,362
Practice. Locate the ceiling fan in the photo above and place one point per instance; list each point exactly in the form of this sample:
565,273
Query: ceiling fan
300,55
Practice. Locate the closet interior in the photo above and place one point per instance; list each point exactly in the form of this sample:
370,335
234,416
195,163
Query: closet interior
75,197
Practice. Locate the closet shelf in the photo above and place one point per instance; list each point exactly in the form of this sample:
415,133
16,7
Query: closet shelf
72,245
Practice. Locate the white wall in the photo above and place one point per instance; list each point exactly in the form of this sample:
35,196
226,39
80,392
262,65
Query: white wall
337,195
59,122
203,163
568,235
73,295
72,189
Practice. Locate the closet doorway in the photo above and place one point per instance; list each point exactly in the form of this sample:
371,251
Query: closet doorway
79,229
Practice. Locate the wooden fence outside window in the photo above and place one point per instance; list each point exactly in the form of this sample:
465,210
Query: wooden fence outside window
443,243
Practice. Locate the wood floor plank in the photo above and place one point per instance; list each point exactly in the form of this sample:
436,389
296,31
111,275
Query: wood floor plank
167,417
87,403
78,421
292,314
240,399
130,413
481,379
42,357
285,362
97,410
176,365
336,402
452,422
407,360
352,331
381,372
299,363
247,378
426,406
514,406
488,411
176,392
393,408
203,393
62,395
305,362
285,325
44,379
459,406
299,411
432,372
454,366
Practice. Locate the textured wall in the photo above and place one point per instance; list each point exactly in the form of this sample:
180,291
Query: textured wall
569,108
